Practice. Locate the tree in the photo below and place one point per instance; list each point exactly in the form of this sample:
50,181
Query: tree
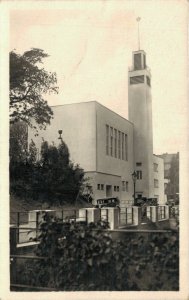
53,177
28,85
59,178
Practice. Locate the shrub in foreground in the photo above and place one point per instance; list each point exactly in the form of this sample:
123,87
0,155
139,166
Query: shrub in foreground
84,257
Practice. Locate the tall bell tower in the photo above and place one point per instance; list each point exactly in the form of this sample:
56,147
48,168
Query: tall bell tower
140,114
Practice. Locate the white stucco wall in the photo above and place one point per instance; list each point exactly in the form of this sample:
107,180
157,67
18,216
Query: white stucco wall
140,113
109,164
78,123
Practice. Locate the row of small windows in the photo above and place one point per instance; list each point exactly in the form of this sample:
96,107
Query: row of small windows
116,188
116,143
125,187
100,187
140,79
125,184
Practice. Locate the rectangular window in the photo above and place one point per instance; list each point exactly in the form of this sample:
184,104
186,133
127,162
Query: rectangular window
139,175
102,187
155,167
137,79
117,188
107,140
119,144
122,146
115,142
123,186
127,186
98,186
137,61
156,183
144,57
111,141
126,147
138,164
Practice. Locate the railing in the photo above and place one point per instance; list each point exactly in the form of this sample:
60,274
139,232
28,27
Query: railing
126,216
146,214
27,225
161,212
104,214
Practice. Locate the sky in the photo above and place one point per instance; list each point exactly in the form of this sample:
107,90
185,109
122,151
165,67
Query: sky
90,46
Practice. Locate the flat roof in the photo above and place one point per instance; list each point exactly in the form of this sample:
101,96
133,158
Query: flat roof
93,101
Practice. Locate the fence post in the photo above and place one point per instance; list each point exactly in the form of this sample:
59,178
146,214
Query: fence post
157,219
113,217
153,213
166,212
136,211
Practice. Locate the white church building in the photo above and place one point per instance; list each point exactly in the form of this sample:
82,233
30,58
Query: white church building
109,147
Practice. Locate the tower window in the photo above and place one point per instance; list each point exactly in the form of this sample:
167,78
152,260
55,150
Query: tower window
156,183
138,164
138,61
144,57
148,80
137,79
155,167
139,175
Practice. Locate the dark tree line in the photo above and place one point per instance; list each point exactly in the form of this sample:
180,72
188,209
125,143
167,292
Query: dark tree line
49,175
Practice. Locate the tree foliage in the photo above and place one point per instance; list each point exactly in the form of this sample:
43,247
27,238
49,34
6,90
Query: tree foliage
52,177
18,142
28,85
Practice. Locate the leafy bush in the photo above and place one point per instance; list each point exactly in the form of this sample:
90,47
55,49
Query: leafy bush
85,257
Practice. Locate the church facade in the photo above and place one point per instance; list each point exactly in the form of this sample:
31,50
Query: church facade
109,147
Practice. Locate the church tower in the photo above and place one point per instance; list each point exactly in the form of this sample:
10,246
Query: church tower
140,114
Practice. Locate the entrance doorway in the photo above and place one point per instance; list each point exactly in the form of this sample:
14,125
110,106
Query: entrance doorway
108,190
